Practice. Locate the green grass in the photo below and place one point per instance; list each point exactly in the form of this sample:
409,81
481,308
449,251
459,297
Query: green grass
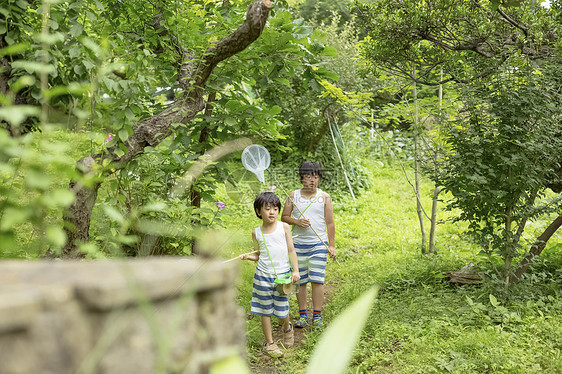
420,322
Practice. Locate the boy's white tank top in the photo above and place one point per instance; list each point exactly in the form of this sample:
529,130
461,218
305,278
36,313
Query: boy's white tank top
277,246
313,209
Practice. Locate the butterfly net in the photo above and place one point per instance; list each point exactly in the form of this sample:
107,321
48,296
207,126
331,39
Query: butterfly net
255,158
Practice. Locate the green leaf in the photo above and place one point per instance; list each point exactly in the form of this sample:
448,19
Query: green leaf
74,52
55,235
53,38
14,49
62,197
494,301
233,364
129,114
123,134
13,217
334,350
76,30
230,121
16,114
55,91
33,67
328,74
37,179
275,110
234,105
119,152
282,80
88,64
113,214
91,16
154,207
329,51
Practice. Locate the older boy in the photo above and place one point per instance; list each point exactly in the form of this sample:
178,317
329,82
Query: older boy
310,211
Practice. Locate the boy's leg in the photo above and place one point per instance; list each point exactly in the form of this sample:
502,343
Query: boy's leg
317,303
317,275
301,297
302,321
317,296
303,259
270,347
285,323
266,327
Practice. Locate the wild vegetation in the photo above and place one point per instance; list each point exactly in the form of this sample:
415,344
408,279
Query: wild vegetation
121,126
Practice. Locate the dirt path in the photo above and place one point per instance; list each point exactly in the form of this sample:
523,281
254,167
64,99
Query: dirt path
262,363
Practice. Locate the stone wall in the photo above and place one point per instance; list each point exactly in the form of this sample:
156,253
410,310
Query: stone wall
156,315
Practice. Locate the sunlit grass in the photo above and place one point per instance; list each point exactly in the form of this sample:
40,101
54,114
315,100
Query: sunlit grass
420,323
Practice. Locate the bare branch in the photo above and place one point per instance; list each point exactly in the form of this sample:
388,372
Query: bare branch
513,22
246,34
537,247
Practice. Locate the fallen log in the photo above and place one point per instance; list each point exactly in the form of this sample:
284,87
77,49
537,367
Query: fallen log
466,275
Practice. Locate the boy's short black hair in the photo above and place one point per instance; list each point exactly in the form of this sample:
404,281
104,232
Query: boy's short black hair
266,198
310,168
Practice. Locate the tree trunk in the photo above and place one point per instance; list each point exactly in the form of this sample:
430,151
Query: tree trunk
419,208
193,73
195,194
537,248
431,248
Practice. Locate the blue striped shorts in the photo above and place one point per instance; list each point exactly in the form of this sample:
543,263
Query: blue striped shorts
266,301
312,262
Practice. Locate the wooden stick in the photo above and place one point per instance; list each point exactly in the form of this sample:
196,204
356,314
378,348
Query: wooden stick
249,253
240,256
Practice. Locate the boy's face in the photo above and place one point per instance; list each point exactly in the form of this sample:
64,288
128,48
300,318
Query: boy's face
269,213
310,181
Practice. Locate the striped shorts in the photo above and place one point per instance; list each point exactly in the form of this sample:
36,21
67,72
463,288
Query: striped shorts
312,262
266,301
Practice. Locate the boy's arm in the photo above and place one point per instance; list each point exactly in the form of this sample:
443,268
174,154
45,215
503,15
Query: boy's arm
288,210
330,225
256,254
292,254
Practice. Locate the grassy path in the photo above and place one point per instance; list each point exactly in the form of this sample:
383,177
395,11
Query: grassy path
420,323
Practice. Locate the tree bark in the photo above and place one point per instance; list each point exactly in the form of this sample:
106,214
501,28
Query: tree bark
537,248
436,193
193,73
419,208
194,193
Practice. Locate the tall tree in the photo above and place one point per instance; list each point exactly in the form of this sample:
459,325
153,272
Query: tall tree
466,39
496,51
193,72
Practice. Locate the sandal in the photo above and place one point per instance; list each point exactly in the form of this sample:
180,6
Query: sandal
273,350
289,336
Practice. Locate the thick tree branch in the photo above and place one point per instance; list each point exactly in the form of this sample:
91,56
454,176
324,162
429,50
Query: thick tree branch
251,29
513,22
192,77
475,46
537,247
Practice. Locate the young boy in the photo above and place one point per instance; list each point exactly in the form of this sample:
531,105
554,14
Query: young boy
274,244
314,227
